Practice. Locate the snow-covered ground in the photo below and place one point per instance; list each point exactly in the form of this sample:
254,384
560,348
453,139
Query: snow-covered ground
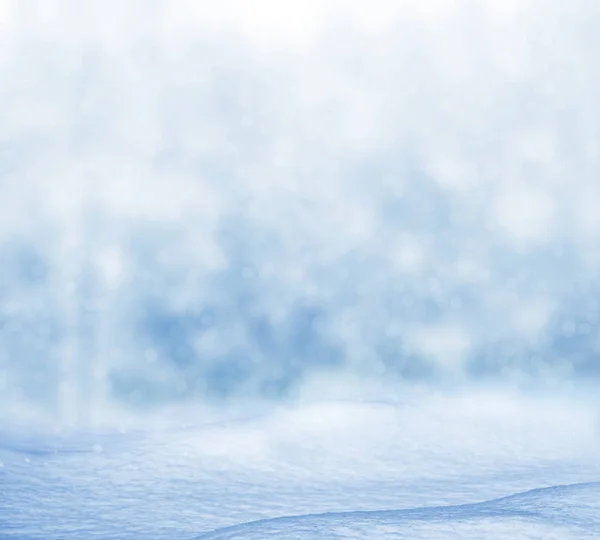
556,512
418,468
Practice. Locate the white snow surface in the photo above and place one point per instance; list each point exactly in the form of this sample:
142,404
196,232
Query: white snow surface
476,465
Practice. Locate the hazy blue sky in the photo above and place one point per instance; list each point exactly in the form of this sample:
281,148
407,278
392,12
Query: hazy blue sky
203,199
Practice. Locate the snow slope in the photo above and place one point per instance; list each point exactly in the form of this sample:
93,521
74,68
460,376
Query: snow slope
346,468
557,512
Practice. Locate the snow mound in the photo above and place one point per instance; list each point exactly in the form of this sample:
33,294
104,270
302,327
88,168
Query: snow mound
557,512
